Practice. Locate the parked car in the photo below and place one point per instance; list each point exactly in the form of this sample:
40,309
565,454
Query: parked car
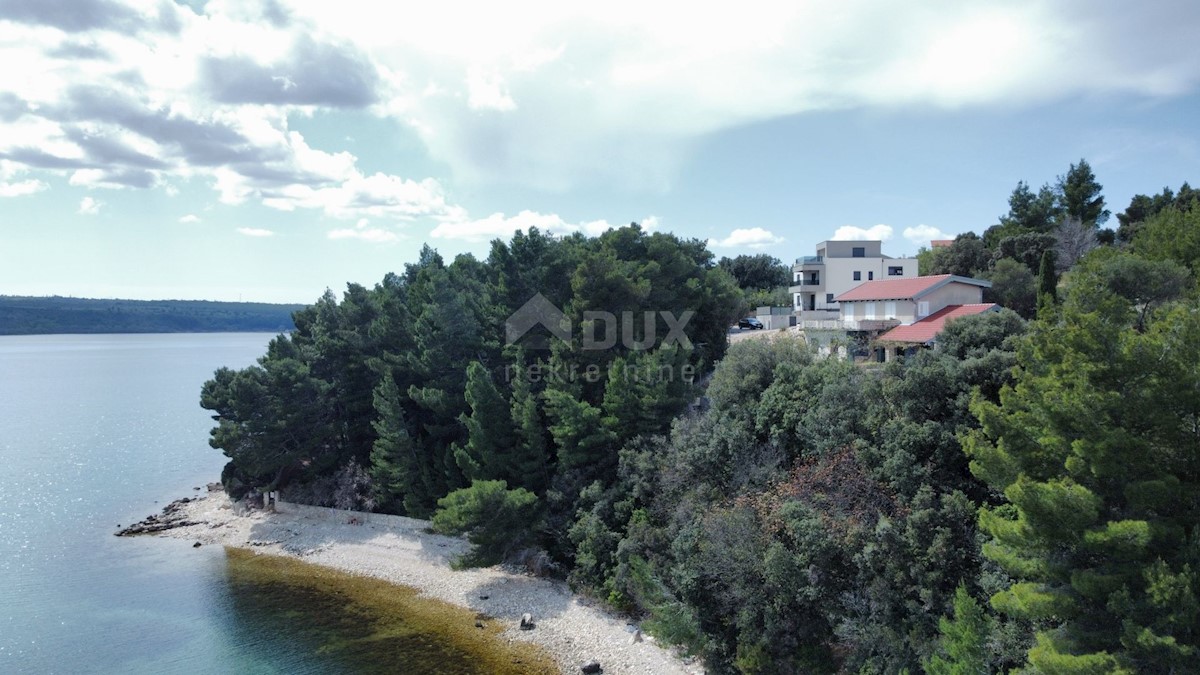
751,323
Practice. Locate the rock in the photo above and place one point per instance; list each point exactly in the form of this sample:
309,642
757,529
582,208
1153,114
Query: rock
591,667
527,621
636,637
483,597
479,624
170,518
196,545
196,488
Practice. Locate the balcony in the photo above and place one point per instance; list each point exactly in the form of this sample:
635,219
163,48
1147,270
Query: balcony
810,260
798,286
807,286
870,325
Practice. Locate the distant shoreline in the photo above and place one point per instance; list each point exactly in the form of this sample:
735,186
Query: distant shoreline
24,315
401,551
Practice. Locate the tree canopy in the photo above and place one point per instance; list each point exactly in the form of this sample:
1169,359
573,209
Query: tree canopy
417,381
1022,497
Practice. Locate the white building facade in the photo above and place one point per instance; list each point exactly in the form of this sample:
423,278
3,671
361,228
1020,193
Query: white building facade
838,267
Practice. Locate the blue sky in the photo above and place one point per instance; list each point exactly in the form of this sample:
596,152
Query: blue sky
236,149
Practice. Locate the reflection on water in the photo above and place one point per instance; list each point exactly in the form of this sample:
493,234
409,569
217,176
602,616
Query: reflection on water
100,430
314,619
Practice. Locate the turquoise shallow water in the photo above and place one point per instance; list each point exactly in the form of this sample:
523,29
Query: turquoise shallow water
96,431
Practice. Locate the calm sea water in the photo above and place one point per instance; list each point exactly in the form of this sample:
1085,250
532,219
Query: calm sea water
101,431
96,431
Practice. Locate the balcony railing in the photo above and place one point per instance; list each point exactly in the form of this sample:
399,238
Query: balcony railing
830,320
810,260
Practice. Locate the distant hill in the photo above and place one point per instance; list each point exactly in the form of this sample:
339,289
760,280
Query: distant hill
37,316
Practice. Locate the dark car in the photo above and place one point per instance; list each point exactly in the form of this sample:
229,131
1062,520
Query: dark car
751,323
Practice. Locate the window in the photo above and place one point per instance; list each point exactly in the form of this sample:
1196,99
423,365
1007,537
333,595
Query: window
870,310
889,310
828,298
796,277
870,276
857,276
895,271
858,252
848,311
923,308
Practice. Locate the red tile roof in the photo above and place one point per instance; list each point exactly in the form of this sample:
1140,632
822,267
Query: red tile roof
941,243
894,289
928,328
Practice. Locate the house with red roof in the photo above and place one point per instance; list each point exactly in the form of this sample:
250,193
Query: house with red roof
907,313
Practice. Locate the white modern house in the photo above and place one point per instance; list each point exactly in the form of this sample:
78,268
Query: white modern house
838,267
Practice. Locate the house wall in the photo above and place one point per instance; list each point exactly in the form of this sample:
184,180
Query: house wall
773,318
953,294
836,272
845,249
906,310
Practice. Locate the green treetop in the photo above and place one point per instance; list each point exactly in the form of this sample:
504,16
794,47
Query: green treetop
1095,447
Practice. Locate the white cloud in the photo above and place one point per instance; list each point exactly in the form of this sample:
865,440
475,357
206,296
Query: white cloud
17,188
542,94
923,234
89,206
190,218
255,232
377,195
852,233
21,188
373,234
487,92
500,226
754,237
363,231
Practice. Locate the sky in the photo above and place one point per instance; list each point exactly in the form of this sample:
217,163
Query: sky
267,150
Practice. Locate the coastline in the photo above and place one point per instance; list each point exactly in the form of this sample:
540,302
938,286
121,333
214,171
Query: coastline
400,551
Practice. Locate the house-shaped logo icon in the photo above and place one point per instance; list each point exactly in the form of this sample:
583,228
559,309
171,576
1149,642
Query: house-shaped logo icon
538,310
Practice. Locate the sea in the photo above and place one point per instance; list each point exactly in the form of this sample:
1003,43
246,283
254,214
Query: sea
99,431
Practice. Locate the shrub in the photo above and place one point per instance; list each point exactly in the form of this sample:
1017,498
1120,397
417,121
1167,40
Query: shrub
496,520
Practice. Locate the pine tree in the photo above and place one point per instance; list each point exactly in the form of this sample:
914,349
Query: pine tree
963,644
398,472
585,443
1096,449
487,453
1047,295
1079,195
530,459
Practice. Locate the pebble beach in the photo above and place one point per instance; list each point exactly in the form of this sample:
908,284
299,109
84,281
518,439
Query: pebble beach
400,550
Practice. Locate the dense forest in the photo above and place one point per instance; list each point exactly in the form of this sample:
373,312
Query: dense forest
52,315
1024,497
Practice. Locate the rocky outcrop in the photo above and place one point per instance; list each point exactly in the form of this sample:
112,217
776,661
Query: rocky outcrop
172,516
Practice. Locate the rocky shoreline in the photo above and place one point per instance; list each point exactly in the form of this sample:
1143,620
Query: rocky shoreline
579,636
173,515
